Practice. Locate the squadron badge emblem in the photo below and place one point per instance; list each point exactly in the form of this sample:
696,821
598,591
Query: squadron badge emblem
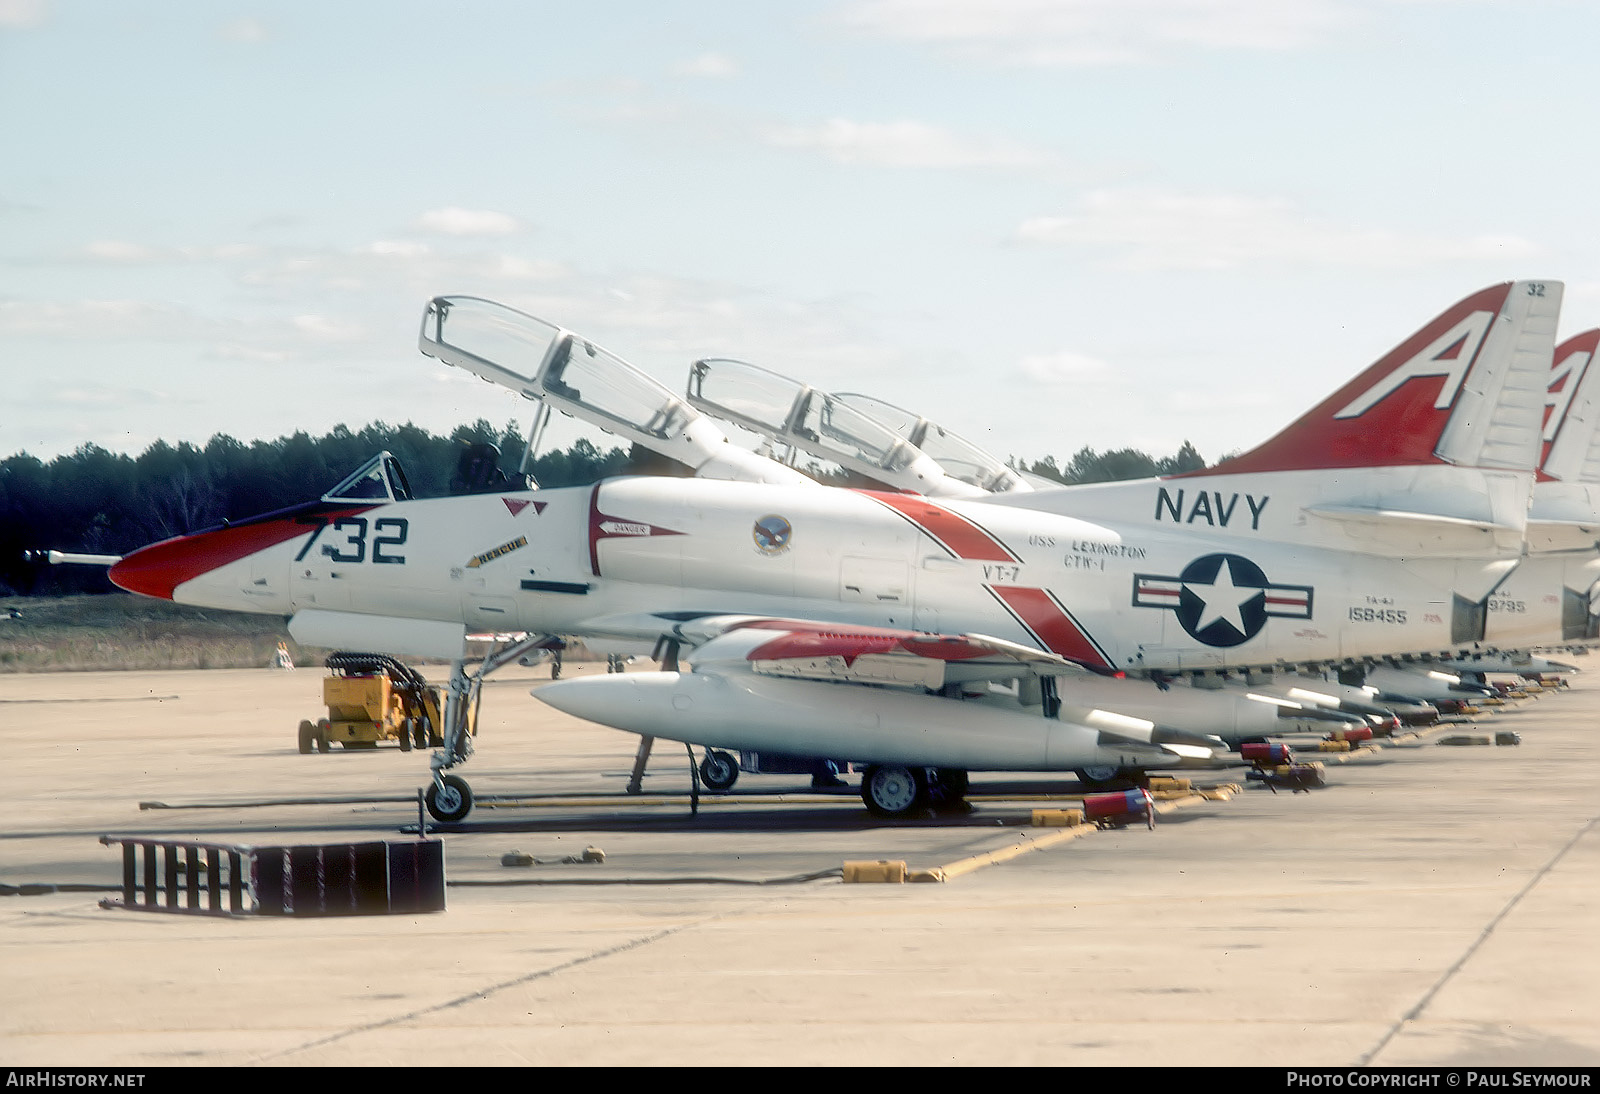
772,535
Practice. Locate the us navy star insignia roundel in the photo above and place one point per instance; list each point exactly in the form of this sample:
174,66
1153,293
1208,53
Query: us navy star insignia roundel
1222,599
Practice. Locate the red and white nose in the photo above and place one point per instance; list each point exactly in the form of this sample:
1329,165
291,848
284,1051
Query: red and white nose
231,567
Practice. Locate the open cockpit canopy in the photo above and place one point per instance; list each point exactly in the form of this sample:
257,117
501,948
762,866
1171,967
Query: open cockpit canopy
563,370
542,361
789,412
959,457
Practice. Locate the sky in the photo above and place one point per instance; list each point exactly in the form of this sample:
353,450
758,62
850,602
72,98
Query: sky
1046,225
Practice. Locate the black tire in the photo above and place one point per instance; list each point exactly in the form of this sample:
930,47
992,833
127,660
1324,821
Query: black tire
323,744
719,770
891,791
450,803
422,737
947,790
1107,777
405,736
308,737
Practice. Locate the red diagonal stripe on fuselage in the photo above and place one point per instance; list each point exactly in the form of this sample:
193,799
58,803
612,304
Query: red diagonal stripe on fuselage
960,536
1048,621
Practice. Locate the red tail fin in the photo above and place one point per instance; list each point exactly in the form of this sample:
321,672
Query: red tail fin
1462,390
1571,414
1572,361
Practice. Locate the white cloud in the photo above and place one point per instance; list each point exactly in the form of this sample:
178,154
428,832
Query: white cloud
1584,294
1100,32
1161,230
512,268
118,250
21,14
397,248
320,328
124,252
1062,368
244,30
904,144
468,222
88,319
714,66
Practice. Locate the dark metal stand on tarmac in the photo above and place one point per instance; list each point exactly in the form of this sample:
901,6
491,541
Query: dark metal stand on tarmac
640,758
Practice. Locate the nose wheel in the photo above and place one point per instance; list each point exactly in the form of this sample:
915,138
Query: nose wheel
719,770
449,799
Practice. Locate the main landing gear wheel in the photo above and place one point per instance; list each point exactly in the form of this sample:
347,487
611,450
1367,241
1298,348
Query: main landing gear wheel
449,799
889,790
719,770
1107,777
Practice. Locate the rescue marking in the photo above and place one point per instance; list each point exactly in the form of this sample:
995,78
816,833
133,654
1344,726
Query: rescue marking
504,549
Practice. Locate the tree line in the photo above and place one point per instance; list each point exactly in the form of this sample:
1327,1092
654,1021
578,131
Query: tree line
1115,465
100,502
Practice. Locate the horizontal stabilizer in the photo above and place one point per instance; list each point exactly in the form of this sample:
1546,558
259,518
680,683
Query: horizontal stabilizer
1412,522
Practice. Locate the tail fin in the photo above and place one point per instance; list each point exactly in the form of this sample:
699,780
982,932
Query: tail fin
1465,390
1572,413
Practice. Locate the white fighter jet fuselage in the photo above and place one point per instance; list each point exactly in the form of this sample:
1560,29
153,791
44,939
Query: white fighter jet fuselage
1214,588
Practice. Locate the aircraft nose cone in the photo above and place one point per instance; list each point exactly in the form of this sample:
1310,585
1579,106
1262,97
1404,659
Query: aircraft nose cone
162,567
155,570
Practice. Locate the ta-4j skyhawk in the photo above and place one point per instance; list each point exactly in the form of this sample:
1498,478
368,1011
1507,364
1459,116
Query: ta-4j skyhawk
945,622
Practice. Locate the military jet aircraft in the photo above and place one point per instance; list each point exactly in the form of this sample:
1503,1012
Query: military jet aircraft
924,637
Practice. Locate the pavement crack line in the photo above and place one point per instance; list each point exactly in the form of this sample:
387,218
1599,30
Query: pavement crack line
485,993
1483,936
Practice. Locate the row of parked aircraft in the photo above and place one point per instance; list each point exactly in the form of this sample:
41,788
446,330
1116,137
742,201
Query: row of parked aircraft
1437,514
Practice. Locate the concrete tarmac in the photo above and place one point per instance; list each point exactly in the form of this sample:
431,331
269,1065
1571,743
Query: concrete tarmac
1432,906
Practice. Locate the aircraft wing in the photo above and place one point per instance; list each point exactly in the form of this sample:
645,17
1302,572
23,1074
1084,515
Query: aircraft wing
844,653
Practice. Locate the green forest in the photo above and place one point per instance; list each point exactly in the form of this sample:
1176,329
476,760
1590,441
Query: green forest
100,502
